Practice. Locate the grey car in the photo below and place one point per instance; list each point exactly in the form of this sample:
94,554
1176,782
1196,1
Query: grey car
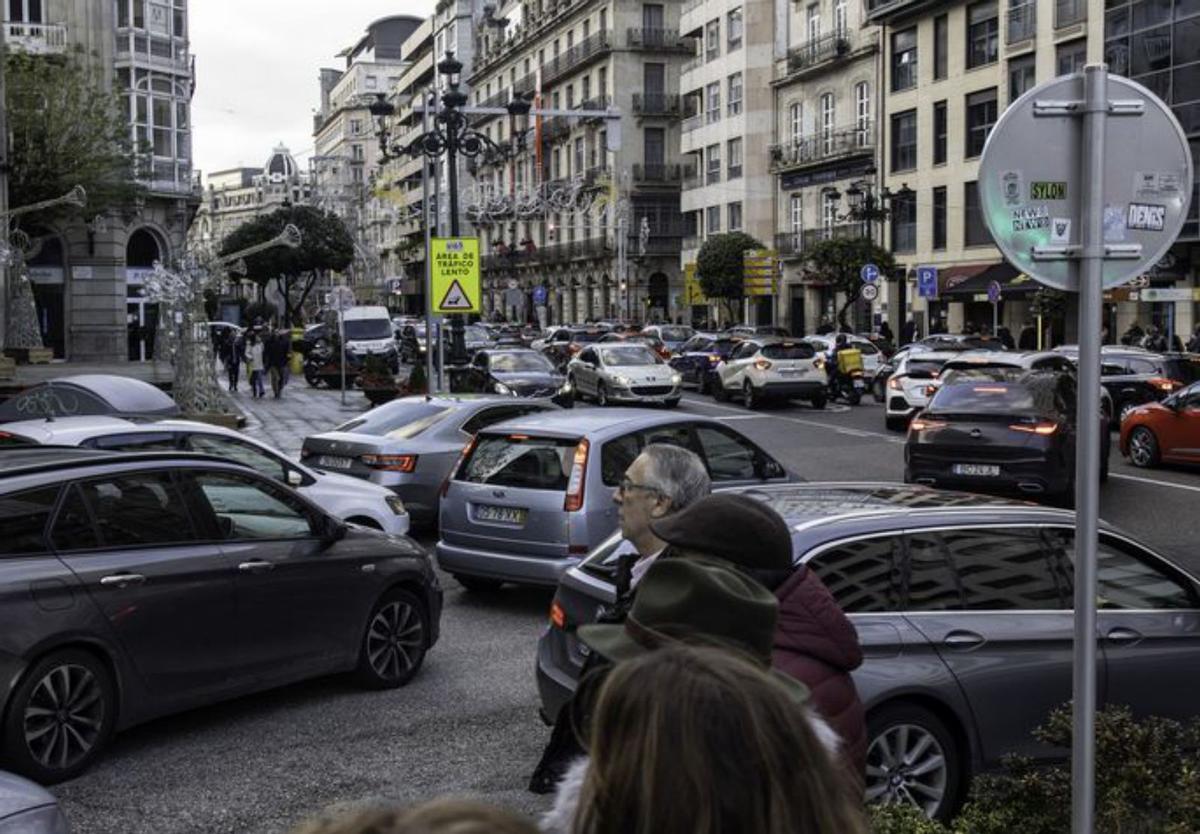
140,584
26,808
533,495
963,605
624,373
411,444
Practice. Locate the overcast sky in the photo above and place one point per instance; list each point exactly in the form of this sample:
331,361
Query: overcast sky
256,71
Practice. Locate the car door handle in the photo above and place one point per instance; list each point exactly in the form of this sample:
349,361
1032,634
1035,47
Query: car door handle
122,580
1124,635
963,640
256,566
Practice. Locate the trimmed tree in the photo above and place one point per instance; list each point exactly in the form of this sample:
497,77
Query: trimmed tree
839,262
325,244
719,264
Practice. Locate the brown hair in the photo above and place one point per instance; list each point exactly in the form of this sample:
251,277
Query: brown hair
699,740
441,816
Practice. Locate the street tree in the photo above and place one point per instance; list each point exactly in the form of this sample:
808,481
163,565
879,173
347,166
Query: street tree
67,130
719,265
325,244
838,262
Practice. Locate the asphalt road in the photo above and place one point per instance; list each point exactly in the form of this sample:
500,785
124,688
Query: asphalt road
468,724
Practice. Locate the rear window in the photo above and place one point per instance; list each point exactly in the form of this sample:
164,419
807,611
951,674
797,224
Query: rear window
676,334
924,369
520,461
867,348
1184,370
994,398
725,346
789,350
397,420
586,336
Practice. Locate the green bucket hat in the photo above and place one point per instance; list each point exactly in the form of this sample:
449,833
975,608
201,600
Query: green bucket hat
705,599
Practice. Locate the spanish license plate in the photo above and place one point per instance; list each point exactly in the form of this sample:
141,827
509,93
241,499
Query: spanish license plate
859,385
334,462
506,515
977,470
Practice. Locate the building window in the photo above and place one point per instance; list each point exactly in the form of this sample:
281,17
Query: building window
712,220
839,17
981,115
828,119
356,127
579,156
904,224
735,158
1022,76
983,34
735,217
602,82
939,132
904,141
904,59
712,40
713,95
941,46
1070,57
829,204
735,94
814,22
733,27
796,214
862,114
356,152
796,122
712,156
975,233
939,217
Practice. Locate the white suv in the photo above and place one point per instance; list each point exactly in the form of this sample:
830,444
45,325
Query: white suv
762,369
907,388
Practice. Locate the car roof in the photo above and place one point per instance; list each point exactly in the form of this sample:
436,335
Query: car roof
935,355
30,460
1007,359
71,431
592,421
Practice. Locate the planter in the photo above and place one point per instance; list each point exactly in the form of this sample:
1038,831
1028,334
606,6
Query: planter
378,396
8,368
30,356
216,418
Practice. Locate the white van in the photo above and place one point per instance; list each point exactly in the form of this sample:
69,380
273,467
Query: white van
369,331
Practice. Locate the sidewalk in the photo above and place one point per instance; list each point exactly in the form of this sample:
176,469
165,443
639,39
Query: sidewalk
301,411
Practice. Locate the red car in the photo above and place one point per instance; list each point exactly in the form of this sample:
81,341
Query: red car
1164,432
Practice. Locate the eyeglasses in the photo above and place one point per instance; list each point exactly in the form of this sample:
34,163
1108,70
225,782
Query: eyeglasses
627,485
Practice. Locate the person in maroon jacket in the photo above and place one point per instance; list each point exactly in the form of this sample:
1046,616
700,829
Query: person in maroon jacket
814,640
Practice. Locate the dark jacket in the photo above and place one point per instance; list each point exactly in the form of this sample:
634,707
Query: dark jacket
275,350
816,644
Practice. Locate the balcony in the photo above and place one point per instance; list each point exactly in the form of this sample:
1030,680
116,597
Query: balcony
692,64
577,56
693,122
1069,12
158,53
657,39
656,104
819,148
595,103
691,242
1022,22
693,180
818,52
555,128
500,99
526,84
597,174
36,38
661,174
881,10
661,242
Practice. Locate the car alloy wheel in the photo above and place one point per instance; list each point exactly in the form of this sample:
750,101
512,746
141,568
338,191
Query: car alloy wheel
751,400
912,759
394,646
1143,447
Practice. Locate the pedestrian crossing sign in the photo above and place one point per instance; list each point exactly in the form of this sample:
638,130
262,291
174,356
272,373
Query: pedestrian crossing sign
455,272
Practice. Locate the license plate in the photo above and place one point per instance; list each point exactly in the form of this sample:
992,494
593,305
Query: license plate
334,462
790,371
979,470
859,385
507,515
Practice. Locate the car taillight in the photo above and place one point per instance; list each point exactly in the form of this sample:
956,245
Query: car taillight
894,383
930,390
574,499
558,617
1041,427
819,362
391,463
458,463
762,364
924,424
574,348
1165,385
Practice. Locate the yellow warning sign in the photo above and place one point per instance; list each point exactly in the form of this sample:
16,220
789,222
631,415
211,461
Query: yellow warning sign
455,275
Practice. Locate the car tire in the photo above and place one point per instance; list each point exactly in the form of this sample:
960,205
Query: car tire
750,399
879,392
80,679
818,401
895,733
394,642
703,386
895,423
601,394
718,391
1143,448
477,584
576,394
674,403
853,397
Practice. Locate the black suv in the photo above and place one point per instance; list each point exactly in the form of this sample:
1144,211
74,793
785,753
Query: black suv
138,585
1134,377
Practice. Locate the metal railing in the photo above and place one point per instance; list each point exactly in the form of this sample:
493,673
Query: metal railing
1022,21
818,51
36,38
1069,12
693,63
656,104
595,103
693,122
655,38
692,181
820,146
556,127
592,46
660,172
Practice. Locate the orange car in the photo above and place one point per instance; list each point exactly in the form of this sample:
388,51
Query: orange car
1164,432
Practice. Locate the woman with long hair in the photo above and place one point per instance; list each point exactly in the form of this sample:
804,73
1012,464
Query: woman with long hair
699,740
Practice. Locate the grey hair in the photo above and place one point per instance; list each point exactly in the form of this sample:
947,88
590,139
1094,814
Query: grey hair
677,473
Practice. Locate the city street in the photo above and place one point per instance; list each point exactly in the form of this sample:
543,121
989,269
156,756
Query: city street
468,723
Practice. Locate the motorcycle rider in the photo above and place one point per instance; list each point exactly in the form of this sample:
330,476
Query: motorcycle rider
834,364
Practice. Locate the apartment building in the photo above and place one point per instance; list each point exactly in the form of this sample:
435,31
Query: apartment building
826,97
727,91
87,277
238,195
582,55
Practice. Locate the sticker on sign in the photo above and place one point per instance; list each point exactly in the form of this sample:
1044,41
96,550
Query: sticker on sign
1146,216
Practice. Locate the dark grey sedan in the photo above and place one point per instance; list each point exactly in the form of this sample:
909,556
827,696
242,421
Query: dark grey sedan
963,605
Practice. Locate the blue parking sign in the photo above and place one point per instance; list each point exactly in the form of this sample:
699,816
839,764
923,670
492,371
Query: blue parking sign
927,283
869,273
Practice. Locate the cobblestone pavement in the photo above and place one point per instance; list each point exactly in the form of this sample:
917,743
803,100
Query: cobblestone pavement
301,411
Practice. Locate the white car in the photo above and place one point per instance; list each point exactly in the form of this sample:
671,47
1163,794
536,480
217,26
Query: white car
907,389
773,368
872,358
624,373
350,499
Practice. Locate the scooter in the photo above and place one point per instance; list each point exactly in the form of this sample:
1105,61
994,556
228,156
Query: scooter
849,387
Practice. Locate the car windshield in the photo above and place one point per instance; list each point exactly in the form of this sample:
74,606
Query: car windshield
867,348
586,336
507,363
991,397
1183,369
698,344
789,350
676,334
397,419
357,329
520,461
476,334
628,356
724,347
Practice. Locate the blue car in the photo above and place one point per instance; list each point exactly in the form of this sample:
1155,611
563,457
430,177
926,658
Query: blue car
700,355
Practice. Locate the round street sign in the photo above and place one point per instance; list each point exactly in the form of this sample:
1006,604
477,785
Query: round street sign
869,273
341,298
870,292
1032,199
993,292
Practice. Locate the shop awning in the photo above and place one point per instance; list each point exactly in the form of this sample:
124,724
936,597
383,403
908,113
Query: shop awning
965,286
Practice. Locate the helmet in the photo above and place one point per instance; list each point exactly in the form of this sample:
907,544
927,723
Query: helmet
840,340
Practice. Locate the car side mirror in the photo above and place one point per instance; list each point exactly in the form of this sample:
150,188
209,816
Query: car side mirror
294,478
332,530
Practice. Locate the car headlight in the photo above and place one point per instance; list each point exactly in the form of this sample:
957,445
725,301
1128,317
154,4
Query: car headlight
676,379
622,380
396,505
501,388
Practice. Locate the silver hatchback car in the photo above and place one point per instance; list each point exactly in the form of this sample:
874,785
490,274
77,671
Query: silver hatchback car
533,495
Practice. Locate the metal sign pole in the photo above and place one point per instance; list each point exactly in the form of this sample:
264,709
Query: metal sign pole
342,340
429,216
995,318
1087,449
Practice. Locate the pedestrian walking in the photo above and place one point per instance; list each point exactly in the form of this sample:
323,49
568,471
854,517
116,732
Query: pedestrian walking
234,356
1133,336
1193,345
885,331
1027,338
275,357
909,333
440,816
254,364
1006,338
815,641
702,740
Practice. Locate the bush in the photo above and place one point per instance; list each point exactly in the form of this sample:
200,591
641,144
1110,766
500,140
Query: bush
902,819
417,383
260,310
